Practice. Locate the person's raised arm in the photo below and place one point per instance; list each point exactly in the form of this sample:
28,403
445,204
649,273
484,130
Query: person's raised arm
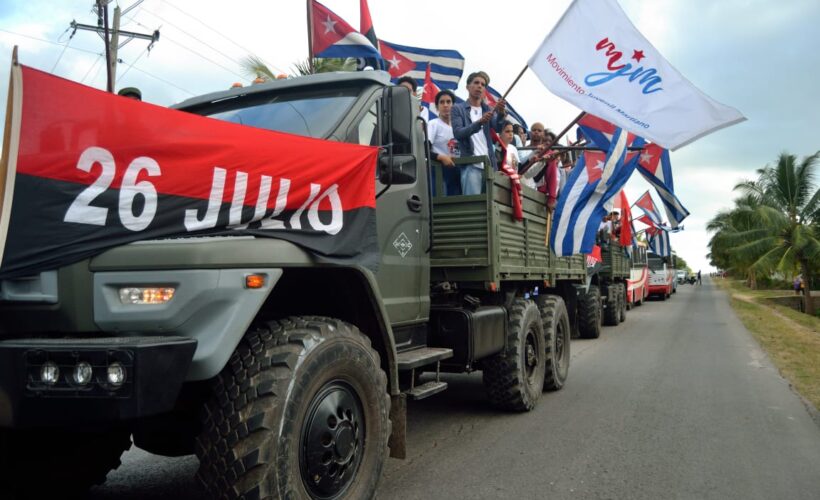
462,126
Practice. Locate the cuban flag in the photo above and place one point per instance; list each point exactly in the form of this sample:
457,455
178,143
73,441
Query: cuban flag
428,98
648,206
644,219
595,180
659,241
599,131
656,168
446,66
331,36
492,96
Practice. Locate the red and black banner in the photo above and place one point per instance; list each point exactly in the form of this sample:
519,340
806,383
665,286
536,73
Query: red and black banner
92,170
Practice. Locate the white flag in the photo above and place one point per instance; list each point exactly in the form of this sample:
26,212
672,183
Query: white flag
596,59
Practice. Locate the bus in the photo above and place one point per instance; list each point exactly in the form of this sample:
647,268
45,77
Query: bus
661,275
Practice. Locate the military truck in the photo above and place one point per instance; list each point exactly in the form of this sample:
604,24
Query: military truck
611,280
298,387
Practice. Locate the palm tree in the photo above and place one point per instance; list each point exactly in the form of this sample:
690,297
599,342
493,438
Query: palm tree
732,228
256,67
775,225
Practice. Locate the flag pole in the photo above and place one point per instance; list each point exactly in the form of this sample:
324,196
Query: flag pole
310,34
515,81
571,124
549,228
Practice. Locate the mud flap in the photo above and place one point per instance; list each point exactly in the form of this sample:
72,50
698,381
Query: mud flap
398,417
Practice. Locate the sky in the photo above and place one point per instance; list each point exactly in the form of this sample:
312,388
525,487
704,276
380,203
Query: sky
760,57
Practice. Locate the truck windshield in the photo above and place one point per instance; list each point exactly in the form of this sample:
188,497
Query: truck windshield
312,114
655,263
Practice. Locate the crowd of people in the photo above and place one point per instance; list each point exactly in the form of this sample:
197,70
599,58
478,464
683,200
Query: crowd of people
466,130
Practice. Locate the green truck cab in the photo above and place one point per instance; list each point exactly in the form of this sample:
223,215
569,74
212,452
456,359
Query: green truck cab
297,388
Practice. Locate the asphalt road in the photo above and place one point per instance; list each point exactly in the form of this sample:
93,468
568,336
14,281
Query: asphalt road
679,402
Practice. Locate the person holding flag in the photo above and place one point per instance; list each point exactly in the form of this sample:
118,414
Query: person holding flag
471,122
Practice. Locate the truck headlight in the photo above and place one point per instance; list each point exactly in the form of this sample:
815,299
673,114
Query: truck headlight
82,373
49,373
116,374
146,295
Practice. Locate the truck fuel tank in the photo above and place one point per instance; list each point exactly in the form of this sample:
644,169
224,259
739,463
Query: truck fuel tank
472,334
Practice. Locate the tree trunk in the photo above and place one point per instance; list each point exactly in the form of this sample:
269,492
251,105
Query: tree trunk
752,280
808,302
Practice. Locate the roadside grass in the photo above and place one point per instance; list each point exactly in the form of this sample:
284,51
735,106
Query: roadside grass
791,338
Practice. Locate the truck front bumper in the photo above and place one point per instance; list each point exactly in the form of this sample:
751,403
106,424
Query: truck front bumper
54,382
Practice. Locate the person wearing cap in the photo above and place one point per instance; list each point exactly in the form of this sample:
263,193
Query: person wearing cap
131,93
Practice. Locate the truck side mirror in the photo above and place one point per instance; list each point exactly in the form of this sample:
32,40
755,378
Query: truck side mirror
399,119
398,169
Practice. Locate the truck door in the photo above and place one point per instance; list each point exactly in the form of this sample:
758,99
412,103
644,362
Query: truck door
402,213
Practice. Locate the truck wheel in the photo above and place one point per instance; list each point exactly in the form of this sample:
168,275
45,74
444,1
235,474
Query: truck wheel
514,378
557,334
589,314
51,463
301,410
622,300
612,310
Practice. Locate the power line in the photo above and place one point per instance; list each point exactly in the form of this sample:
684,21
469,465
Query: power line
111,37
207,59
164,81
99,68
93,65
99,57
196,53
198,39
48,41
67,43
144,51
222,35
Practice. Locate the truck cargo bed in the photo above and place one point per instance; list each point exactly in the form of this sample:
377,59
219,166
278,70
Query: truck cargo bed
477,239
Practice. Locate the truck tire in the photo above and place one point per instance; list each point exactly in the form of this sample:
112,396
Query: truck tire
622,299
57,463
301,410
613,306
557,335
514,378
589,314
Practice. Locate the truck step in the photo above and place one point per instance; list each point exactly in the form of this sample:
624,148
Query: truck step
426,390
409,360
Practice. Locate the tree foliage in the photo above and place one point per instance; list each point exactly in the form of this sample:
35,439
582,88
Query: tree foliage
256,67
774,225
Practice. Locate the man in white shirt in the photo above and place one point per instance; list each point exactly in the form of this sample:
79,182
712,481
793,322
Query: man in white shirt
471,121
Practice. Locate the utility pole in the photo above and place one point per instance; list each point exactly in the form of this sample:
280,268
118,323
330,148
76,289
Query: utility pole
112,40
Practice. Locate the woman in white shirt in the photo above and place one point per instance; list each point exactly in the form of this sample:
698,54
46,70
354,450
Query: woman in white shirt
444,145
